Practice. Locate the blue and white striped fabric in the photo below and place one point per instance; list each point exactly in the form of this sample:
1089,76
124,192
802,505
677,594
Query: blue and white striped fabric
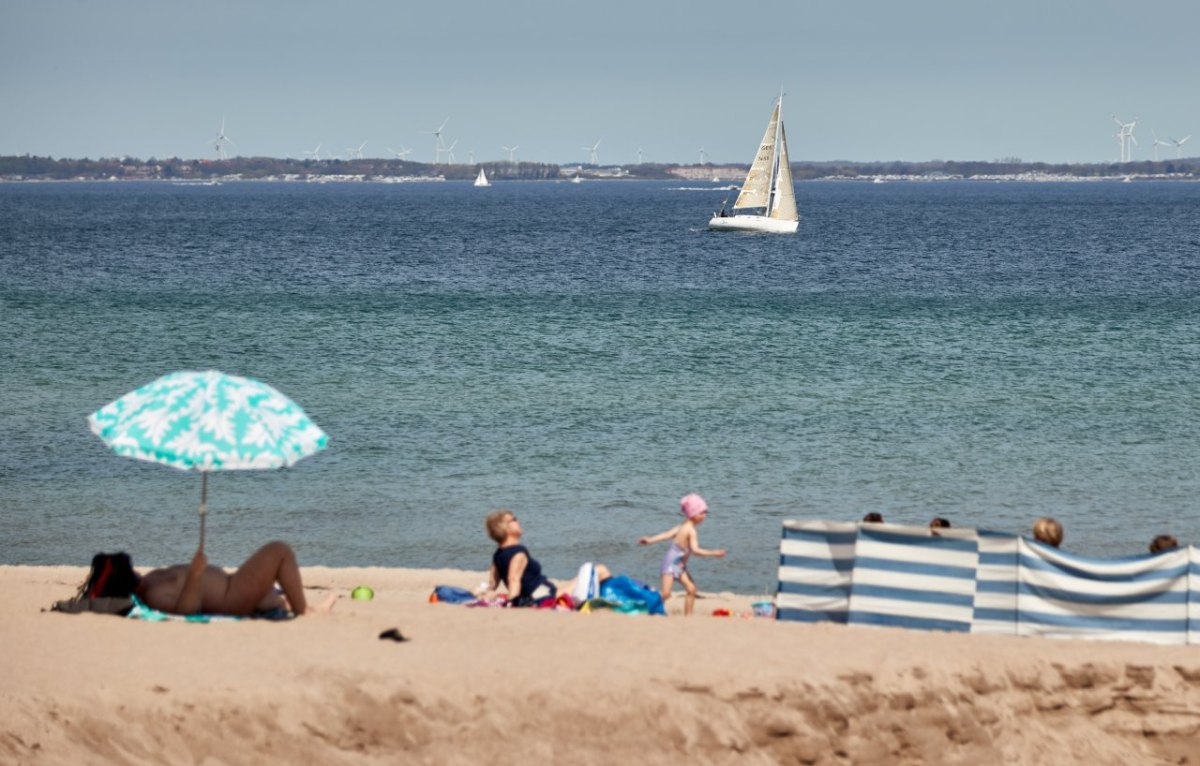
983,582
996,584
1193,595
908,577
815,562
1141,598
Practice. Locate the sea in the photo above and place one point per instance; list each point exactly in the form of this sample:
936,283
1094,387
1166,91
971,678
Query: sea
585,354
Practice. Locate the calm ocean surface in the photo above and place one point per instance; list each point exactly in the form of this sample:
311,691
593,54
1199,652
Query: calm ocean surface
585,354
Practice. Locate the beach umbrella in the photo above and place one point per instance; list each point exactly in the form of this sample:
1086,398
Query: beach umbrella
208,421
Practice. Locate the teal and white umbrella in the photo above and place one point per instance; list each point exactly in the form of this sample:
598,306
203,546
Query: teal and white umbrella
208,421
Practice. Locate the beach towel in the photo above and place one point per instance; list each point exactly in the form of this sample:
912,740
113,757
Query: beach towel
142,612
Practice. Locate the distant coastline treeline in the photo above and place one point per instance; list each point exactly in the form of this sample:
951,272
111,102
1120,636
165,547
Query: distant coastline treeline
33,168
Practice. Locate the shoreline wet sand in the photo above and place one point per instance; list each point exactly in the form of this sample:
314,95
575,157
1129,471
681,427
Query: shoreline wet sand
507,686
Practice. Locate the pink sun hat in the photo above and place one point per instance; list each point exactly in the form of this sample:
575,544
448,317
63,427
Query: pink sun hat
692,505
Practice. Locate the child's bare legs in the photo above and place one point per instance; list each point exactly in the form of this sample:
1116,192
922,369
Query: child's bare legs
689,585
668,581
254,580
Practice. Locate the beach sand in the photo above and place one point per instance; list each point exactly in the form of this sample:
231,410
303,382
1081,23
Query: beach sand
503,686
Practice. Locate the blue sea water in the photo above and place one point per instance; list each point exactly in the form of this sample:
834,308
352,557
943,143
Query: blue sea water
586,354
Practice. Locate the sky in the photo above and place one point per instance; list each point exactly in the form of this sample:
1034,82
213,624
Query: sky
865,80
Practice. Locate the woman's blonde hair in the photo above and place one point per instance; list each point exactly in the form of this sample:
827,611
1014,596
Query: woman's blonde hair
1048,531
497,524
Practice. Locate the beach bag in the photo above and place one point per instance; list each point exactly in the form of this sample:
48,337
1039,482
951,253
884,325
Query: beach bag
449,594
104,605
631,596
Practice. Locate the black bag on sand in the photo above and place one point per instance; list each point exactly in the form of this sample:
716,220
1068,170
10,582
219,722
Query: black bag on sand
105,605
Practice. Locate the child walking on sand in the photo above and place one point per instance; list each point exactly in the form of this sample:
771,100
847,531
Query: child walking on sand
684,542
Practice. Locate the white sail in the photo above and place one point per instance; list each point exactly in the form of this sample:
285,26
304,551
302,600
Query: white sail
481,179
784,203
757,188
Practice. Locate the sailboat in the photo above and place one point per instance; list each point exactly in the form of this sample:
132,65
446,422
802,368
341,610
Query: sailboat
481,179
767,201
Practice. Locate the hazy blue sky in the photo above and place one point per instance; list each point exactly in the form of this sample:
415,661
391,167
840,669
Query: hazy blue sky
885,79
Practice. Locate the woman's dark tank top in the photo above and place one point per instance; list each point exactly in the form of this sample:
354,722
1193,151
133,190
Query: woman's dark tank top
530,578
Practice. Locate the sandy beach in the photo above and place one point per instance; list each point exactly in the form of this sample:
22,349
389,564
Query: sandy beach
516,686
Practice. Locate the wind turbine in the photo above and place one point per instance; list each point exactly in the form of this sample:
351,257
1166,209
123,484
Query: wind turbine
1124,136
315,153
512,152
221,140
471,157
703,156
450,153
1179,146
593,156
1157,144
640,153
438,146
402,153
356,154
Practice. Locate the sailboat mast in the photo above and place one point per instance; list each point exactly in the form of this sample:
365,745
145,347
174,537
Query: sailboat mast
772,191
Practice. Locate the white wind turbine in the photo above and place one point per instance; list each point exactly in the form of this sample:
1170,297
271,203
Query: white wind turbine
593,155
314,153
1179,146
438,146
703,156
1157,144
471,157
640,154
512,152
1124,137
400,154
356,154
221,140
450,158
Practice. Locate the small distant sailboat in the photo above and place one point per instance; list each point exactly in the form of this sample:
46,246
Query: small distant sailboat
768,195
481,179
578,178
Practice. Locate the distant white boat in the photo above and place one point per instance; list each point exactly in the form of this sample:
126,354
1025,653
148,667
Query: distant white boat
768,195
481,179
716,179
878,180
578,179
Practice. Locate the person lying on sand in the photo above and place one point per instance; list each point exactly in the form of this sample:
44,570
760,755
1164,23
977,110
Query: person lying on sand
513,567
200,588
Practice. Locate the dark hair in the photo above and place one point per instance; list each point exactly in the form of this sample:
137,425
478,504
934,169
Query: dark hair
111,575
937,522
874,517
1163,543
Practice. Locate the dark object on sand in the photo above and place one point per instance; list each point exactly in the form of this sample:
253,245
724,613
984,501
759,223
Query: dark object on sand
392,634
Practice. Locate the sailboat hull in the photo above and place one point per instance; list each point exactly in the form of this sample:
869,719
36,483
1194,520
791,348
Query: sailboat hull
752,223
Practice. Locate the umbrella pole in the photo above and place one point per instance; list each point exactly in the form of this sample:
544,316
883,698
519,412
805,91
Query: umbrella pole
203,504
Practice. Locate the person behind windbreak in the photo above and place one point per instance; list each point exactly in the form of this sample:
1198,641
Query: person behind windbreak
874,517
1163,543
1047,530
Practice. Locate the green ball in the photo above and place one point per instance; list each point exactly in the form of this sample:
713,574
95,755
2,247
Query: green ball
362,593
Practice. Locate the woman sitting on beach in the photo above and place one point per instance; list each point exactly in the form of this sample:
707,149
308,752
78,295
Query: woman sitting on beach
200,588
521,574
1047,530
